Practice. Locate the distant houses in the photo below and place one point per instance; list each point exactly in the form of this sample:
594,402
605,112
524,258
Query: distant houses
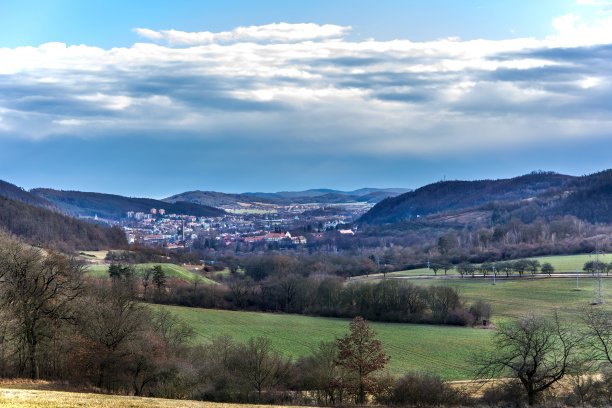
276,237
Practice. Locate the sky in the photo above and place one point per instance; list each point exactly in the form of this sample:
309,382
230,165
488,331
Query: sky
152,98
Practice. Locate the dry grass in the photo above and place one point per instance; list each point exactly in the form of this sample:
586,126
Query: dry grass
37,398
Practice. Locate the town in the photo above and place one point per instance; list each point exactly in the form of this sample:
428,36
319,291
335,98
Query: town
274,226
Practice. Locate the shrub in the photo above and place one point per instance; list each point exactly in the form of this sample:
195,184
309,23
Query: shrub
423,390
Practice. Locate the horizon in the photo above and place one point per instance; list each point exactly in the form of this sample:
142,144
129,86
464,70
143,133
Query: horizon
152,99
331,189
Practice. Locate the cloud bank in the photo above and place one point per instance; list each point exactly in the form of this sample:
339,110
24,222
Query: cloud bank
308,85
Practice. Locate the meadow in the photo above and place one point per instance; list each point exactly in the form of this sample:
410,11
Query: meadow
512,298
561,263
100,271
444,350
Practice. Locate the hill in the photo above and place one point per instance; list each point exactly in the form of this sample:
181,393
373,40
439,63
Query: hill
214,198
590,199
16,193
324,196
110,206
41,226
454,195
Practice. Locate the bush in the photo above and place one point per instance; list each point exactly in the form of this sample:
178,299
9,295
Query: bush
423,390
481,310
459,317
506,394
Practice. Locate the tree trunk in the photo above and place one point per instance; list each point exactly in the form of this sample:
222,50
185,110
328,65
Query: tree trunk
531,395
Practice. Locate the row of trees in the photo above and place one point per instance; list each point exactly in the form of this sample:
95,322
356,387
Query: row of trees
387,300
597,266
520,267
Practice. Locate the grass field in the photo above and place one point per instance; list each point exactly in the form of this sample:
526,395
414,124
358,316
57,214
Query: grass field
513,298
561,263
94,255
440,349
32,398
171,271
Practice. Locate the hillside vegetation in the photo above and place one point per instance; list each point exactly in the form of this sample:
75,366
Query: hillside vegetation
114,206
454,195
41,226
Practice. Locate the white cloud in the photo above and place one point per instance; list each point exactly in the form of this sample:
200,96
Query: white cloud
277,32
307,82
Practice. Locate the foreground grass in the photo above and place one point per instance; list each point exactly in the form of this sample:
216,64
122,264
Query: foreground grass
441,349
171,271
31,398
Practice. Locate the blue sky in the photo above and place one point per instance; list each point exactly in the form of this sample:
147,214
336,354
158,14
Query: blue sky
154,98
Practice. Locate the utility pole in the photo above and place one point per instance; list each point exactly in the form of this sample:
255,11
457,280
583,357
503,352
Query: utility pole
598,298
494,274
577,277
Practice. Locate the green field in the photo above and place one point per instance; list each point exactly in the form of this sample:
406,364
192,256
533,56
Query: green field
513,298
171,270
561,263
440,349
569,263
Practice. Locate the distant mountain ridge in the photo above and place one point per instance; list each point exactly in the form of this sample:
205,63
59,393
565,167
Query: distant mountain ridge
587,197
324,196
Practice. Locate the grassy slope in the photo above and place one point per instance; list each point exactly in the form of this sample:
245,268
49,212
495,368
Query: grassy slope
444,350
171,271
28,398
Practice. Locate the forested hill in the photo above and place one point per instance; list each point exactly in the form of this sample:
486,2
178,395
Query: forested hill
14,192
44,227
112,206
214,198
590,199
454,195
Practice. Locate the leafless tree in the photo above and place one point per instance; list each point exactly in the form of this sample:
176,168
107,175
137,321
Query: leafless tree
537,351
38,288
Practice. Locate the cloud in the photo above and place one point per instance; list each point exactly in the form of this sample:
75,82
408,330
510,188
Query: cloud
309,88
277,32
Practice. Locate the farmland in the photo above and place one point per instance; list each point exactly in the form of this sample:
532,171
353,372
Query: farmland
516,297
441,349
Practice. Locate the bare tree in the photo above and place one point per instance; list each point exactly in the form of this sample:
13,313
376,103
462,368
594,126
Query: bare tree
599,332
38,289
262,367
111,320
537,351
